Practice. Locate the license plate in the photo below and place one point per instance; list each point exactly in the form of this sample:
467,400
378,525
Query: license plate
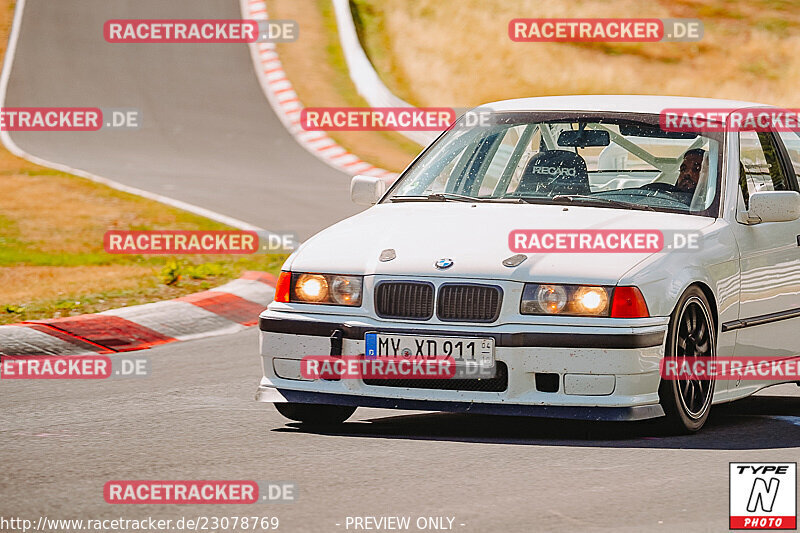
468,353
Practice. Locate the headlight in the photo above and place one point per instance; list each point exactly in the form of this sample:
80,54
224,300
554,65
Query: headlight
346,290
311,288
591,300
549,299
332,289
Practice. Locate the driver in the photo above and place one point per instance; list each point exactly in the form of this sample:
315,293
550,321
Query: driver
689,173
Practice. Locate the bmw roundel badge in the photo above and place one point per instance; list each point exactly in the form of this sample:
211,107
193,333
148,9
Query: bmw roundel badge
443,263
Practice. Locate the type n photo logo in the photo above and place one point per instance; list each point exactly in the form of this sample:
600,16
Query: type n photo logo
763,496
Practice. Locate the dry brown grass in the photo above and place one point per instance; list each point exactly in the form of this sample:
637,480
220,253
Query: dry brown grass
54,212
457,52
52,261
319,75
36,283
6,18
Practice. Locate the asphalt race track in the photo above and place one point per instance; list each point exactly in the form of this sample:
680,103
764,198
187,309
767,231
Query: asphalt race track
208,134
194,418
210,138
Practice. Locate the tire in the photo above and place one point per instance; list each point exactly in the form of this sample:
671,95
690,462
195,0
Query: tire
315,414
692,333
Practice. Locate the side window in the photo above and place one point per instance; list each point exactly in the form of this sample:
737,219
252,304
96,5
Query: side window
791,140
759,165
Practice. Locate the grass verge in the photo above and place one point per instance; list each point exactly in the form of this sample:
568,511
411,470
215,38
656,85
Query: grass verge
52,261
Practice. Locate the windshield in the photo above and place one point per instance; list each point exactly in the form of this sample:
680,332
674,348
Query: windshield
613,159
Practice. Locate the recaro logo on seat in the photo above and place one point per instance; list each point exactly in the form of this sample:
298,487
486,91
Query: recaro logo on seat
555,171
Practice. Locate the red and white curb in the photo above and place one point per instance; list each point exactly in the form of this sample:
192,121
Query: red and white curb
287,105
226,309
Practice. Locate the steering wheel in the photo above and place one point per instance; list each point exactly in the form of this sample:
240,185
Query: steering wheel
661,186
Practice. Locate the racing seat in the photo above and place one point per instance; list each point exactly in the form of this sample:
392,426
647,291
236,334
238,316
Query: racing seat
554,172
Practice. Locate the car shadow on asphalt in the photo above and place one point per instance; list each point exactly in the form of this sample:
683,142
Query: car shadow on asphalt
758,422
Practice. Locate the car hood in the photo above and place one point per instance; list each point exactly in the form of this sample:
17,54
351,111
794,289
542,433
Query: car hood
475,237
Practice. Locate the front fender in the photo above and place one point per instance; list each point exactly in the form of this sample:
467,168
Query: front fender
663,277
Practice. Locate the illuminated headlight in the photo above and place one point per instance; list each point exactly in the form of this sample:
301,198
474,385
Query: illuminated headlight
332,289
591,301
581,300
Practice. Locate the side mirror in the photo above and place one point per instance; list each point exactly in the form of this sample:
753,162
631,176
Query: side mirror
366,190
773,206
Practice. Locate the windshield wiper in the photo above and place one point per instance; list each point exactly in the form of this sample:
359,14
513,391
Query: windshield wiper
453,197
598,200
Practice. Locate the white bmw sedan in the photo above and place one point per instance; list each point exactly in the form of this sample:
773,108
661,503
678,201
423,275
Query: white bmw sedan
509,247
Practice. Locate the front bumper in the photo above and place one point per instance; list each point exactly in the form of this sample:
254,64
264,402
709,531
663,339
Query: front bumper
604,372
